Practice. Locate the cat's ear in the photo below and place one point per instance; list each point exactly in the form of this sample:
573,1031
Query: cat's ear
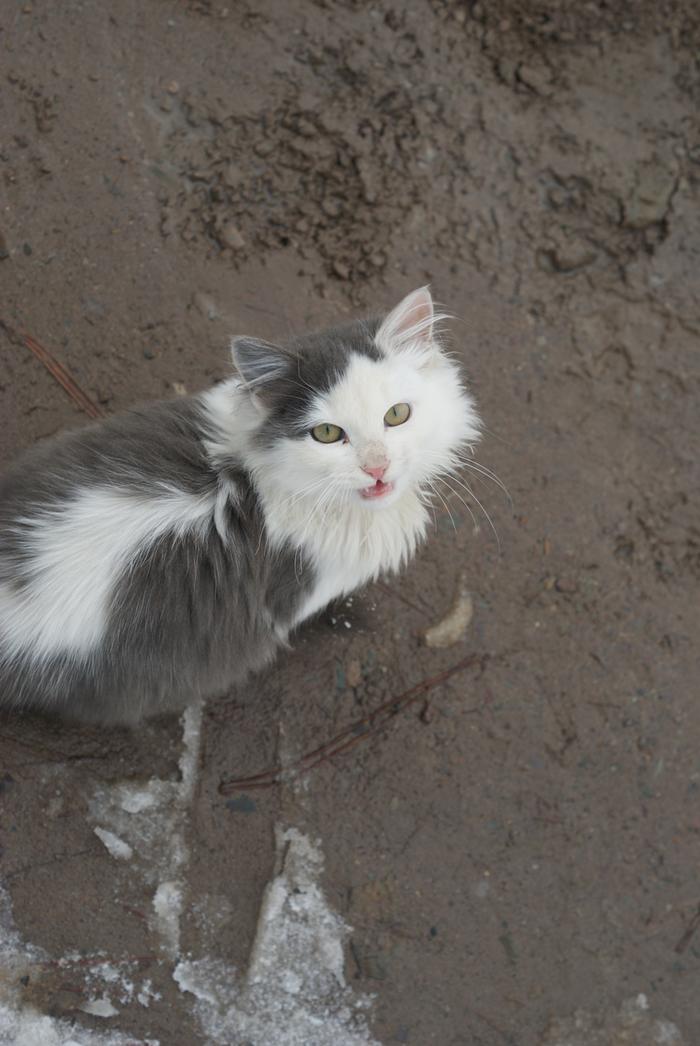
411,322
259,363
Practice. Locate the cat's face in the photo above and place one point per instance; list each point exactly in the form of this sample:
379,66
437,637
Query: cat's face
359,415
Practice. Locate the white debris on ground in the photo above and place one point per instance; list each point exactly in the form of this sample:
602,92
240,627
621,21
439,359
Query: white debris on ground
102,1007
631,1025
22,1025
453,626
116,846
146,822
294,992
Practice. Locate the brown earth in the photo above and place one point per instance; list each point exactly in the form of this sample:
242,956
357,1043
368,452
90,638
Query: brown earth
524,842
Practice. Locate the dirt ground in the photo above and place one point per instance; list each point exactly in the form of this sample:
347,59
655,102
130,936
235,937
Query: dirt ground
523,841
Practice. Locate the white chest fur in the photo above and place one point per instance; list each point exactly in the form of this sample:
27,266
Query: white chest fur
349,546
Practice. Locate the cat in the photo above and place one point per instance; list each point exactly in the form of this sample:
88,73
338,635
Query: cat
160,556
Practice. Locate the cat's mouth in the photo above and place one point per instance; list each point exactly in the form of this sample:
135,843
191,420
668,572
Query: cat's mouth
377,490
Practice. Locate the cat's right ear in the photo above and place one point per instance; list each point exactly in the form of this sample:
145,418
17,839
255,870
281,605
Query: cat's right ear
259,364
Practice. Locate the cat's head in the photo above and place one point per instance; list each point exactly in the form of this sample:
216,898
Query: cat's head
362,413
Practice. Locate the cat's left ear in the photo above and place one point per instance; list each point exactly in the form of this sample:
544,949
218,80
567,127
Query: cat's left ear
260,364
412,322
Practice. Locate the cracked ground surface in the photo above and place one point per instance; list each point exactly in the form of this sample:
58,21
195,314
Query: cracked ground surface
522,844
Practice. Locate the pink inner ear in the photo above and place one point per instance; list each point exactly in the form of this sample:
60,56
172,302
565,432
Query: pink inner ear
414,316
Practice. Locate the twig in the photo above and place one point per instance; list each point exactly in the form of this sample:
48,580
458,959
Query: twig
56,370
358,731
690,929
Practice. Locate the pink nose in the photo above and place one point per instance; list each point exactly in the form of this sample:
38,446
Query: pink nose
375,473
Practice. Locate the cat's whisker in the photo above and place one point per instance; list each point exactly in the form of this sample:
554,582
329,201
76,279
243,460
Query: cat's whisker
478,466
296,496
477,528
447,510
473,495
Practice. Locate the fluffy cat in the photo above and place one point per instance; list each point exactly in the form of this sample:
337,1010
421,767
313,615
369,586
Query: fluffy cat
162,555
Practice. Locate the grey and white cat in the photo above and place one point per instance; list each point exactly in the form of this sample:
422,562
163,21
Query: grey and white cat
162,555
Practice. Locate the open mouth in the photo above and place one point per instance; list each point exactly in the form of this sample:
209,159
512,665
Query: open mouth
377,490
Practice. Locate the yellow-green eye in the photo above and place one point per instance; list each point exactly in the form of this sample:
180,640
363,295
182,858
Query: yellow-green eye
327,433
397,414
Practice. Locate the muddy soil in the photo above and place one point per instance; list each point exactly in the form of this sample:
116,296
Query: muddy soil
521,843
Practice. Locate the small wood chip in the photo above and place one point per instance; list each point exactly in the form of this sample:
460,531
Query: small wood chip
453,626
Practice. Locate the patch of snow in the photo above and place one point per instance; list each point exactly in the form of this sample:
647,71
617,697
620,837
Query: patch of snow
101,1007
146,994
149,820
116,846
167,905
22,1025
631,1023
294,992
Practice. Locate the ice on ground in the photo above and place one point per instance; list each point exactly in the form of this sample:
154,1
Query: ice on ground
22,1025
148,821
101,1007
116,846
167,907
631,1025
294,992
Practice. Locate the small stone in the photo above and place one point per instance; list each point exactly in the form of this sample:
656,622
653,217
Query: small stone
650,199
341,270
573,255
149,354
205,304
232,176
566,584
173,87
331,206
537,77
231,237
26,249
353,673
179,388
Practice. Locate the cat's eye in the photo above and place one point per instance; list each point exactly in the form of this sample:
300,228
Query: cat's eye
397,414
327,433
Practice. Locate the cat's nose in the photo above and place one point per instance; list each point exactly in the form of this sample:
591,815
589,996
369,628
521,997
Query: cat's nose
377,472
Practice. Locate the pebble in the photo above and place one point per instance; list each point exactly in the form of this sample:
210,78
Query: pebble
231,237
205,304
572,256
537,77
566,584
331,206
353,673
341,270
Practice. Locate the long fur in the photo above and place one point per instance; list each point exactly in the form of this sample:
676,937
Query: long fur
160,556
